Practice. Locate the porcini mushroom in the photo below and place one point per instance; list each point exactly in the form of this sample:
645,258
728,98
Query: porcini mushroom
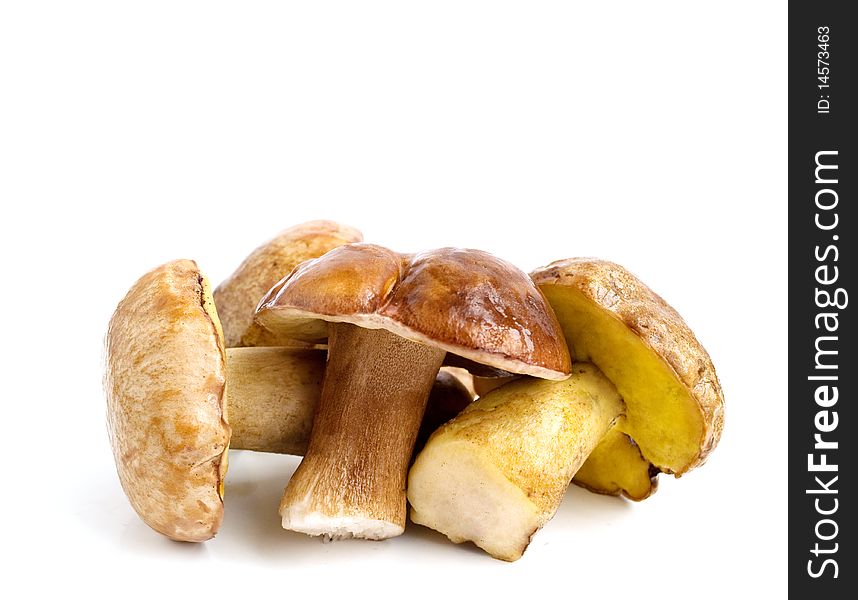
167,398
389,319
176,400
237,296
496,473
612,319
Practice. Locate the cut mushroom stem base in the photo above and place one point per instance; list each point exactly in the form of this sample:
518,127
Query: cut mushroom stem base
351,482
497,472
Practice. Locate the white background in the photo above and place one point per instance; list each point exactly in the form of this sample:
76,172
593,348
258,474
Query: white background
651,134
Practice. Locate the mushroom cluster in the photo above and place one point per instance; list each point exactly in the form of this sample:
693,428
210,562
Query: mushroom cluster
367,362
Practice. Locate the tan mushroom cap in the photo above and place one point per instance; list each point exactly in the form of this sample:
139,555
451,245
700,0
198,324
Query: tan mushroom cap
237,296
466,302
667,379
165,378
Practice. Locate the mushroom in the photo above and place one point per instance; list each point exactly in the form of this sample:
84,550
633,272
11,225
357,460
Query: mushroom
497,473
389,319
167,399
171,416
612,319
237,296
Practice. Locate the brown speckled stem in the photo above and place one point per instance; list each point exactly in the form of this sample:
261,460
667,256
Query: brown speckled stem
351,482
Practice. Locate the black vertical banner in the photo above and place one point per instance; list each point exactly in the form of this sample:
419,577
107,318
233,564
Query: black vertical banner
823,299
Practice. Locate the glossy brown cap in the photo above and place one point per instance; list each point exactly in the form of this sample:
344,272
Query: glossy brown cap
165,376
237,296
466,302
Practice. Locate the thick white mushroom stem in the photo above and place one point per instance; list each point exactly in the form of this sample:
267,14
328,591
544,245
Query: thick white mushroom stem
351,482
497,472
271,396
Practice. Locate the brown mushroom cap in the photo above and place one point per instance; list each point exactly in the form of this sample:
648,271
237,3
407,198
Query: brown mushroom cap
165,378
237,296
466,302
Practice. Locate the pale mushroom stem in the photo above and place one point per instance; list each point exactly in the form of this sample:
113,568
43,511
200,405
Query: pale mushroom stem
271,395
351,482
497,472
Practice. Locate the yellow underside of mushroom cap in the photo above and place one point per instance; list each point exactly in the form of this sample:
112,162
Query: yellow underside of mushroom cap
616,467
663,417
